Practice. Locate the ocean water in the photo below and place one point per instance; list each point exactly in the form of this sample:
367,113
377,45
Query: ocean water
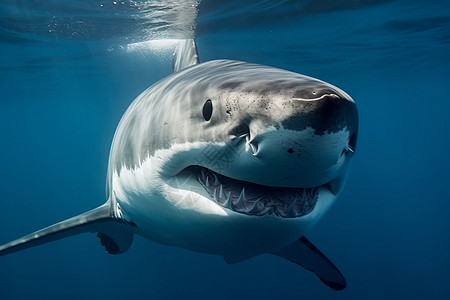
69,69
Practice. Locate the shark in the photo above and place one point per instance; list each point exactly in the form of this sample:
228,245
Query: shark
224,157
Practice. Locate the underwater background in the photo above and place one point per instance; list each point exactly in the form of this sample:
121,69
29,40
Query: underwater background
69,69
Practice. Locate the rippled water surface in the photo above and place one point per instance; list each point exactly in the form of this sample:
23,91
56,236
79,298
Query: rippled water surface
69,69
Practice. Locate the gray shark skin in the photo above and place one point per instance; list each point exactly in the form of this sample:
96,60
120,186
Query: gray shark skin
224,157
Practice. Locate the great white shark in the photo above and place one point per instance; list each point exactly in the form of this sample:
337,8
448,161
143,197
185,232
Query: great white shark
224,157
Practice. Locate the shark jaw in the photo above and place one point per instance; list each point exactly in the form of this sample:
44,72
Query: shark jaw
236,191
224,178
253,199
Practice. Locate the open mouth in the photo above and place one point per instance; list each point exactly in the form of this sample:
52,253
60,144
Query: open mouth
255,199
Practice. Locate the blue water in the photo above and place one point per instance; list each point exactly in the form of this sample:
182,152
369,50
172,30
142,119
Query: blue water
69,69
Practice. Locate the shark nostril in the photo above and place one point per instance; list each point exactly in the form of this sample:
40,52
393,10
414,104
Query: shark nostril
254,147
241,130
251,145
239,134
348,149
352,143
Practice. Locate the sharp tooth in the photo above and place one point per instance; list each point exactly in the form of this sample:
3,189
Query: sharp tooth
207,182
221,194
291,210
203,174
215,195
229,201
254,209
278,213
267,210
241,201
216,180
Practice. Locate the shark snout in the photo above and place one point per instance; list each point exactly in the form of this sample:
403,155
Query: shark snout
309,147
297,158
331,112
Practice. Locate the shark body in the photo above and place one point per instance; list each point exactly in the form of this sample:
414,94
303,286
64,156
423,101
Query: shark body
224,157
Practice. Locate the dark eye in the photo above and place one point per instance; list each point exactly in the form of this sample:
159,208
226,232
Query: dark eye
207,110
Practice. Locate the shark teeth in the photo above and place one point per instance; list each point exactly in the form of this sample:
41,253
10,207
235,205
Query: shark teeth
291,209
254,209
215,196
216,180
229,201
257,200
221,194
241,200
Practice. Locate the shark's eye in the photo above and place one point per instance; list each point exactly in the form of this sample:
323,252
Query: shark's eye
207,110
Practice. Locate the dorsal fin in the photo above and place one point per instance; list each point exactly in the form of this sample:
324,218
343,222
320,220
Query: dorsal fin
305,254
185,55
113,233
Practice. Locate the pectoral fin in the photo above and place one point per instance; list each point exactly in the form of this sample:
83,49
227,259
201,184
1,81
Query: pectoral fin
305,254
113,234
